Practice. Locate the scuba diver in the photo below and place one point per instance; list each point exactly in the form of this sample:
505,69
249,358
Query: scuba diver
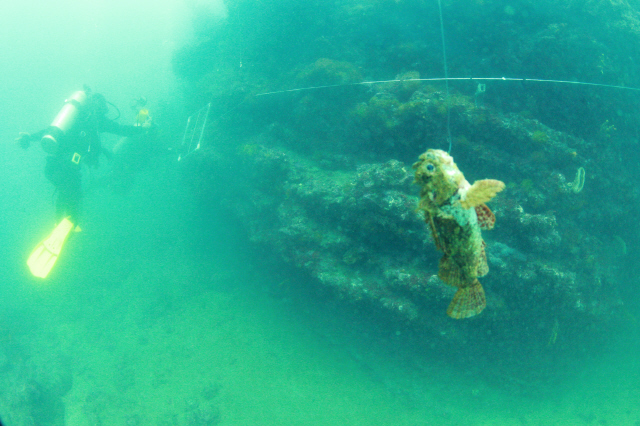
72,139
130,154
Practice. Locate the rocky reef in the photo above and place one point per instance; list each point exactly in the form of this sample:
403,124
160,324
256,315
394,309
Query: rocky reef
322,177
352,224
33,387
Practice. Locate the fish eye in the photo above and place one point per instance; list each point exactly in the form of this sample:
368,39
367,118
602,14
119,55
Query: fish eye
430,167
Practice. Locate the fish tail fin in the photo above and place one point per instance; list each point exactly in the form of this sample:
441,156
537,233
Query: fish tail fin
467,302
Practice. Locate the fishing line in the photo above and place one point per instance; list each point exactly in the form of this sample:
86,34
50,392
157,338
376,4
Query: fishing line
446,77
516,79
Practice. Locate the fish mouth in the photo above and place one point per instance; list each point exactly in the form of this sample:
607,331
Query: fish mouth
424,178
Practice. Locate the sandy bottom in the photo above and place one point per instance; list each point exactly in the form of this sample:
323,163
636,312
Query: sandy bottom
194,343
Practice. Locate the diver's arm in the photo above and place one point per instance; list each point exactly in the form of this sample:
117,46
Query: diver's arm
25,139
107,154
109,126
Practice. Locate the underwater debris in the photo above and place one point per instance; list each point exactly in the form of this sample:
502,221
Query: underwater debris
479,95
578,183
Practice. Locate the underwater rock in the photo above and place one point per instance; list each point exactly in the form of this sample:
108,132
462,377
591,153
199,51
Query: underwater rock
202,414
32,386
325,187
356,230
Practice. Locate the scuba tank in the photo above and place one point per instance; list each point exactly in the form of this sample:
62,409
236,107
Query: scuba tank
63,121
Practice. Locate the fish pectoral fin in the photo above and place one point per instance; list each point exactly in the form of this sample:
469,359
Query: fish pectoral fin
481,192
467,302
486,218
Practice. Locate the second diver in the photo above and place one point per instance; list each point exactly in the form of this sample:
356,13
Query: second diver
72,139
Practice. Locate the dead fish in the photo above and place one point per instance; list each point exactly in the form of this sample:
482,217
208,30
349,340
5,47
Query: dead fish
456,212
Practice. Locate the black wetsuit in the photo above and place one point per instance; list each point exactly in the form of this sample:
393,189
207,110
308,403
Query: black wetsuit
81,144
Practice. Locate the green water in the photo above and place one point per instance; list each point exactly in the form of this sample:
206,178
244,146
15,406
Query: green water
193,336
254,358
149,322
163,312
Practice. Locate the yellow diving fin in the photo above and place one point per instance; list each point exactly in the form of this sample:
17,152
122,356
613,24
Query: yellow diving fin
44,256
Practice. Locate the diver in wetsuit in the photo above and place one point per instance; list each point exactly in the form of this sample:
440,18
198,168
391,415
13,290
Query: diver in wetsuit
72,139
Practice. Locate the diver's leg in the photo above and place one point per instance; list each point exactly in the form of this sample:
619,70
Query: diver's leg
66,177
69,197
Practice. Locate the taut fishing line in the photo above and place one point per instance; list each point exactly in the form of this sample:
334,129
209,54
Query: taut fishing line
446,81
516,79
446,77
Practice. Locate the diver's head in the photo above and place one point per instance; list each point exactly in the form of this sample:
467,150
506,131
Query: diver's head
138,103
97,104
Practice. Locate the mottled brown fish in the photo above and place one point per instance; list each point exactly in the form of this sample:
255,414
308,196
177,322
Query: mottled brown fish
456,212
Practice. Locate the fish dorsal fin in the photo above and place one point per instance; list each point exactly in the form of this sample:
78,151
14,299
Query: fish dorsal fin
480,192
486,218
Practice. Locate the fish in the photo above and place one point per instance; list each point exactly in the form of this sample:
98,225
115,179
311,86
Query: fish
456,213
